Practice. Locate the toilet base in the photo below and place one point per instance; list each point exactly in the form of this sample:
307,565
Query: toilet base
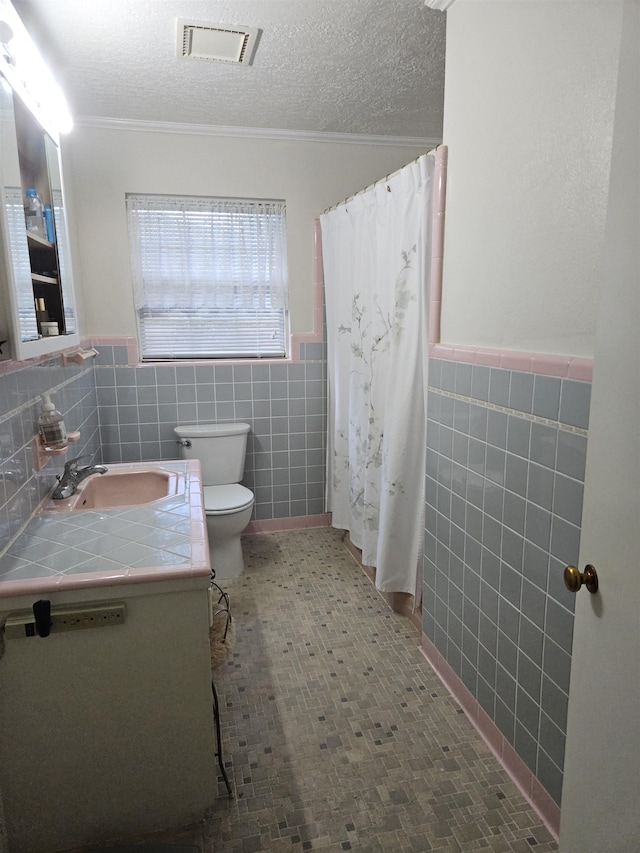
226,558
225,549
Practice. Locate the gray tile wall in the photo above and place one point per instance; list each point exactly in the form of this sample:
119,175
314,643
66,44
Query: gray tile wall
505,472
73,391
285,405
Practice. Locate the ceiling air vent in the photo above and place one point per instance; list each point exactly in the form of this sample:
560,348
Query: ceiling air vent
216,42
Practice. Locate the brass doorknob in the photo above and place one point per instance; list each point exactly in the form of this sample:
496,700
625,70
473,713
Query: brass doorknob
574,578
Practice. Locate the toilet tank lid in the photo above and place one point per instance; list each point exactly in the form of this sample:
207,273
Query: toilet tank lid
208,430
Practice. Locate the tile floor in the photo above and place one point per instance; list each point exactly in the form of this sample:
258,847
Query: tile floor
337,735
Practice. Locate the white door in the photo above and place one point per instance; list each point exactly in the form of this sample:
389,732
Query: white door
601,796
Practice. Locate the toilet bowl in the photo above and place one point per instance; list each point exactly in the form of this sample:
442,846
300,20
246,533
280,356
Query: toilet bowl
221,450
228,509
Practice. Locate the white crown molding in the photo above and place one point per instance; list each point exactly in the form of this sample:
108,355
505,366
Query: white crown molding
439,5
425,142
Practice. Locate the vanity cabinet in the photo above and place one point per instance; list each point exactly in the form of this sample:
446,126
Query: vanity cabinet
106,724
35,272
108,732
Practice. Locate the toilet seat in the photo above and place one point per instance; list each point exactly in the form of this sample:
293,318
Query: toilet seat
222,500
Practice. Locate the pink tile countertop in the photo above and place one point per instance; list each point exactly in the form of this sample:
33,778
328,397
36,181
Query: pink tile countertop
60,551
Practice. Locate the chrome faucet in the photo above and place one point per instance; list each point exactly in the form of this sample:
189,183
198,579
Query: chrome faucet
72,476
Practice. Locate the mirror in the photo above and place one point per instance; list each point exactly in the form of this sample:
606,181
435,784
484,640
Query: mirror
61,235
18,294
36,273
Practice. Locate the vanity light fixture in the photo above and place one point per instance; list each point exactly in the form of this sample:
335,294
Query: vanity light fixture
6,37
26,71
229,43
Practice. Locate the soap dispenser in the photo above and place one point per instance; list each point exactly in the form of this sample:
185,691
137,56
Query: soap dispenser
51,425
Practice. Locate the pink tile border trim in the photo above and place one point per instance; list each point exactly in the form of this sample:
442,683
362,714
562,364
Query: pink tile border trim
566,366
299,522
97,580
514,766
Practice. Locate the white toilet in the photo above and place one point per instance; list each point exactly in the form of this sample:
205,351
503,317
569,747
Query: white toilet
221,450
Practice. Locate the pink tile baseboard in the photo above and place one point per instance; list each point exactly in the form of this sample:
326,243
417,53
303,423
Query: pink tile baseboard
299,522
514,766
565,366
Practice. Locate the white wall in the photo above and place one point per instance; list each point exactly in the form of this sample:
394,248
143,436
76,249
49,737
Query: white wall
528,118
103,164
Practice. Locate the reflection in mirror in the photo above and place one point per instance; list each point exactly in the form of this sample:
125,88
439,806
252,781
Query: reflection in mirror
16,236
60,226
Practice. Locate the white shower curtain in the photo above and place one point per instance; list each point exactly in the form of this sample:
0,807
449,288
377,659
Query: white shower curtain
376,251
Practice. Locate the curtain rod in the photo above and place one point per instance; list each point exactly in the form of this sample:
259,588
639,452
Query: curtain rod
379,181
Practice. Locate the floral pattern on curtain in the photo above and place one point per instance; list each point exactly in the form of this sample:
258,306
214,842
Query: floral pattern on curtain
376,251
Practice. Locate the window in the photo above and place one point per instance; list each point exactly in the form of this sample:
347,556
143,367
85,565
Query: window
209,276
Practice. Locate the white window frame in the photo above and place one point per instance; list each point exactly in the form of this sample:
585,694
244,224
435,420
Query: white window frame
209,276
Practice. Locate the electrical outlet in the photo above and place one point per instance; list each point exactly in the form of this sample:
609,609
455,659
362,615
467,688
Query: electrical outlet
95,616
83,616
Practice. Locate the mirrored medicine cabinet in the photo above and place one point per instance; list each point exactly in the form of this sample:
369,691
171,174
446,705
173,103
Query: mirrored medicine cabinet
37,307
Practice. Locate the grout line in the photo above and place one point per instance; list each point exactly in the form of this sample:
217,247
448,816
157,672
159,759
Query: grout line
508,411
9,413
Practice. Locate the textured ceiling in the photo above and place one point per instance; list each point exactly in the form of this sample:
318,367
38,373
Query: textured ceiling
372,67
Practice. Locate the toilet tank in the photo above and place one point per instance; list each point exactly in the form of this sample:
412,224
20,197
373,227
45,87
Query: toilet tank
221,449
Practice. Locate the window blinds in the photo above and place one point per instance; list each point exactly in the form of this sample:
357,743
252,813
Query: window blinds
210,276
14,206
